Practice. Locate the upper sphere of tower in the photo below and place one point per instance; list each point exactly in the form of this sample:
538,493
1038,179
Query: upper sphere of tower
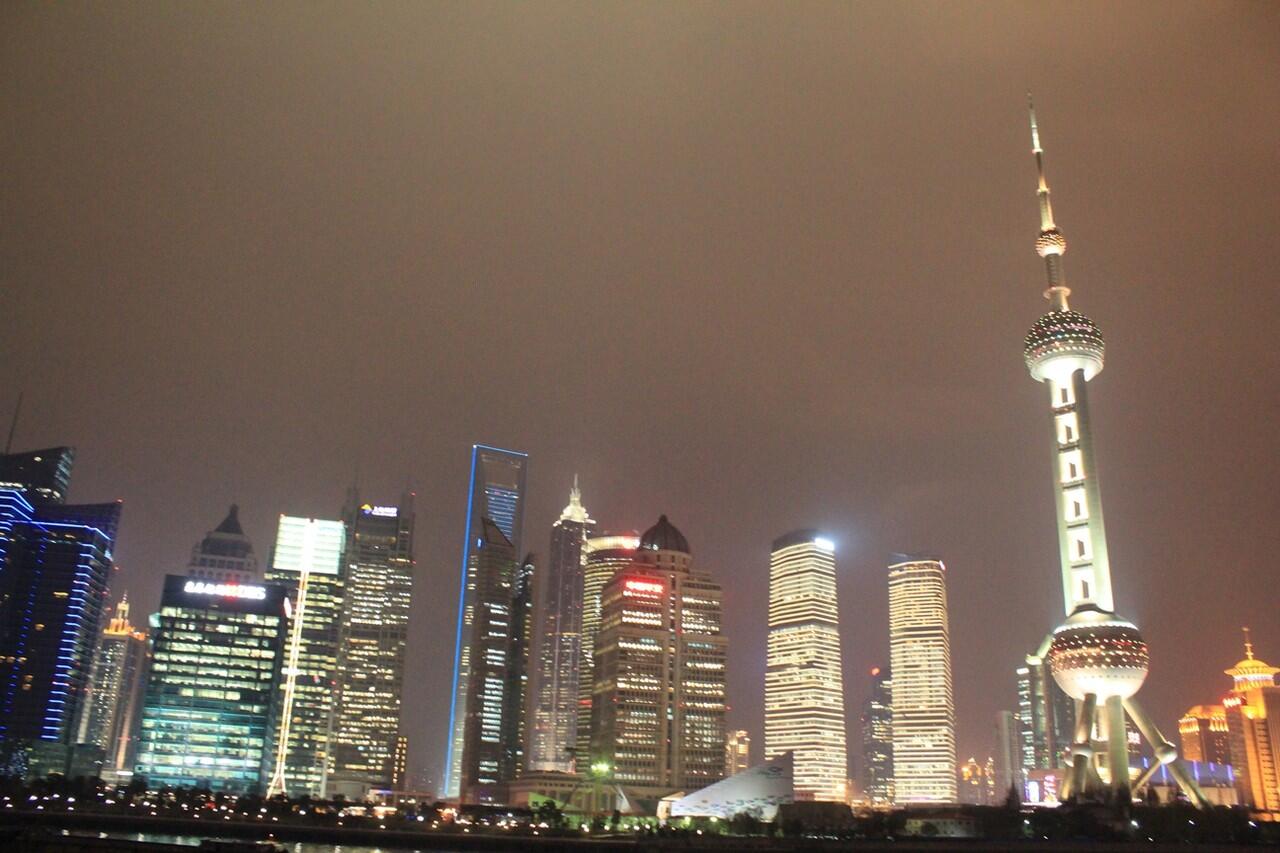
1051,242
1099,653
664,536
1062,342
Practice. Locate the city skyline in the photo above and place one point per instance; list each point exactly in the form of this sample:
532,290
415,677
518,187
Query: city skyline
186,352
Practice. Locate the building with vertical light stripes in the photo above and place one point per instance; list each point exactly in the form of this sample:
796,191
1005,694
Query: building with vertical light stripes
804,683
924,716
308,559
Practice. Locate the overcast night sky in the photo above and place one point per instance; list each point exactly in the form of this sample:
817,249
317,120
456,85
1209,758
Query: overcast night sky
756,266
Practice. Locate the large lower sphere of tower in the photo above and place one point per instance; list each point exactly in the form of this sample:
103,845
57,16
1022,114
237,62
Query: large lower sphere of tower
1062,342
1099,653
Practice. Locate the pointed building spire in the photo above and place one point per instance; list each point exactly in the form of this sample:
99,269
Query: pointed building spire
1050,245
1248,644
575,511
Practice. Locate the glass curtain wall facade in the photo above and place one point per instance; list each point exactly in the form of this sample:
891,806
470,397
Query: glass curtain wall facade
804,679
559,655
924,719
373,639
496,493
308,560
55,563
213,686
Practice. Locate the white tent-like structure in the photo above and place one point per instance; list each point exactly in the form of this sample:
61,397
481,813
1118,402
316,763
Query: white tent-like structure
757,791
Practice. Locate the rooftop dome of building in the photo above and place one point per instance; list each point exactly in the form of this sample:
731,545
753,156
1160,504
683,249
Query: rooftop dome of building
664,536
1252,672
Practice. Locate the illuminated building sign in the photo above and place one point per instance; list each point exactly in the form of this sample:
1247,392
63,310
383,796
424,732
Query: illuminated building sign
645,587
227,590
380,511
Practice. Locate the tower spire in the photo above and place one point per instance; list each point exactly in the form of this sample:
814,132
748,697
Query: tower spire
1050,245
1248,643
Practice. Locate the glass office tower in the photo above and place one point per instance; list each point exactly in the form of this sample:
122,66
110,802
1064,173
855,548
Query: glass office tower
214,683
110,715
54,570
373,640
495,494
308,559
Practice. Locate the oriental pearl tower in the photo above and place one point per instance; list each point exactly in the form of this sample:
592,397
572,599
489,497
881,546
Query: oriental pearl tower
1097,658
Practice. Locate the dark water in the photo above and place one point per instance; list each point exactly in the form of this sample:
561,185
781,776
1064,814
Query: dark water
290,846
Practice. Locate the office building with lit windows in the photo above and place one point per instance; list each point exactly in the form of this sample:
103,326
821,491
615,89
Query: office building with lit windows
373,639
602,557
877,739
1204,734
924,718
658,719
212,691
558,654
307,559
489,635
1046,717
495,497
1252,709
804,680
113,709
515,716
41,476
55,564
737,752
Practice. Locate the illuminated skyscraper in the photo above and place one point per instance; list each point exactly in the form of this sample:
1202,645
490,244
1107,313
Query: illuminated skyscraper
924,717
515,719
1204,734
658,714
1098,658
1046,715
877,740
55,562
737,752
488,637
308,560
373,639
496,497
602,558
113,710
1253,726
213,685
42,476
559,655
804,681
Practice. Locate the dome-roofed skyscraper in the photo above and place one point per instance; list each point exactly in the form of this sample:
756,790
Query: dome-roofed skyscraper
1096,657
659,670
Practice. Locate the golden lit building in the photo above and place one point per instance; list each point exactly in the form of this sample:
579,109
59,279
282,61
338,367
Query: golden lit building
1203,730
924,715
804,682
1253,726
737,752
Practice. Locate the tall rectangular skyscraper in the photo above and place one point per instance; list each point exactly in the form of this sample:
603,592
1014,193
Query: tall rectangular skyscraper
372,641
877,739
495,495
804,680
658,715
307,558
214,683
924,717
559,641
55,563
112,711
602,557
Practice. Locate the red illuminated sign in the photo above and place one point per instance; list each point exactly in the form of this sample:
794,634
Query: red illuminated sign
650,587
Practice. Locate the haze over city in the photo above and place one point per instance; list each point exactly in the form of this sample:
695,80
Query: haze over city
754,266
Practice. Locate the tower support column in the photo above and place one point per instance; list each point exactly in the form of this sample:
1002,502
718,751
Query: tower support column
1117,749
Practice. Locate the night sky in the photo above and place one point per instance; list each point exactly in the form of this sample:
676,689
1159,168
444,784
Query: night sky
756,266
